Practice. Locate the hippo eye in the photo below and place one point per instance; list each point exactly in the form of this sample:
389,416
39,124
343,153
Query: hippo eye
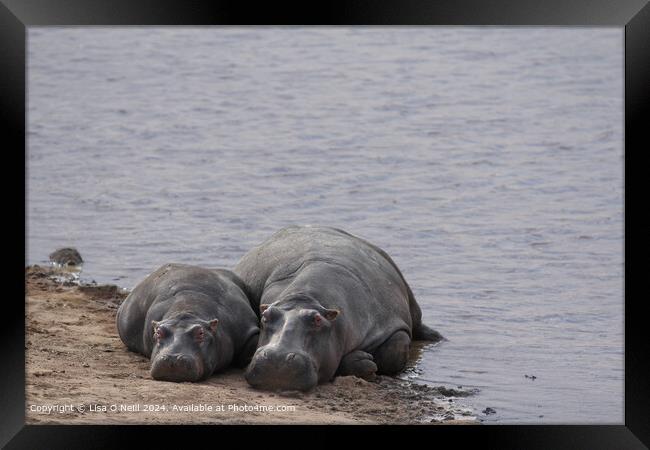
267,316
159,333
199,334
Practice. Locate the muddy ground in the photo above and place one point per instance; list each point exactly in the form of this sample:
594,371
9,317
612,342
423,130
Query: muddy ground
79,372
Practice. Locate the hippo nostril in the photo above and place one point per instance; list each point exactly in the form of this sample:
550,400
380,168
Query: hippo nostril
290,356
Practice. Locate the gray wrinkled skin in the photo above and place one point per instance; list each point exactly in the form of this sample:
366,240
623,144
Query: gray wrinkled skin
330,303
191,321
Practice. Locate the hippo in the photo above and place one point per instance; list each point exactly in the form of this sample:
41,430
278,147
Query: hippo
191,321
330,303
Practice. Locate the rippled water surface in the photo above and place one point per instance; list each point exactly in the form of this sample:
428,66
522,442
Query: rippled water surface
486,161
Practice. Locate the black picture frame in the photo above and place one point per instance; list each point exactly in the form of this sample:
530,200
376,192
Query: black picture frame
17,15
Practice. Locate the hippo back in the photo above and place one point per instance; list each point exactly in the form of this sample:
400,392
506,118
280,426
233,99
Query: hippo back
283,254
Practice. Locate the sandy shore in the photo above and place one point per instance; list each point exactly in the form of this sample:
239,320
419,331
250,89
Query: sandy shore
79,372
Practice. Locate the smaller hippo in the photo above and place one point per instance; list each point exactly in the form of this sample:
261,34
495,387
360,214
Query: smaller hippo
67,256
191,321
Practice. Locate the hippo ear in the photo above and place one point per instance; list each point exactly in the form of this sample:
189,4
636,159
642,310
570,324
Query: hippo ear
264,307
213,324
331,314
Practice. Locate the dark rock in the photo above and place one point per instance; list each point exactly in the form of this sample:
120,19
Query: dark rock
487,411
67,256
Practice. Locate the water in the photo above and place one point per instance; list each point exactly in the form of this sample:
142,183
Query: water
487,161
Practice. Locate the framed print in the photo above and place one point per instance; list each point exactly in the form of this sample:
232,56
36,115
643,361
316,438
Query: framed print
411,216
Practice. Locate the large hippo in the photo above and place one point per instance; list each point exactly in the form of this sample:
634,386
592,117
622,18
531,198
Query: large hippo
330,303
191,321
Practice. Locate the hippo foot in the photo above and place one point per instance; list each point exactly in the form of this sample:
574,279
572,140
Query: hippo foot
391,356
358,363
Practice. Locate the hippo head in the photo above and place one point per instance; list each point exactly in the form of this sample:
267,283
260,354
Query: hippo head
295,349
184,348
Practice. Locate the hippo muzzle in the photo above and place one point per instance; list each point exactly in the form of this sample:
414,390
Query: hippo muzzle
176,367
273,369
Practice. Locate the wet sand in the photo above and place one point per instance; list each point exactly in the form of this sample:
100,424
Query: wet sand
76,364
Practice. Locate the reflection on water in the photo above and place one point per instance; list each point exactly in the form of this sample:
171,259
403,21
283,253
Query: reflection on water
486,161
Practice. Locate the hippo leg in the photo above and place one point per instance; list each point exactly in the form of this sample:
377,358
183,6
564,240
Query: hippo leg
391,356
245,356
358,363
